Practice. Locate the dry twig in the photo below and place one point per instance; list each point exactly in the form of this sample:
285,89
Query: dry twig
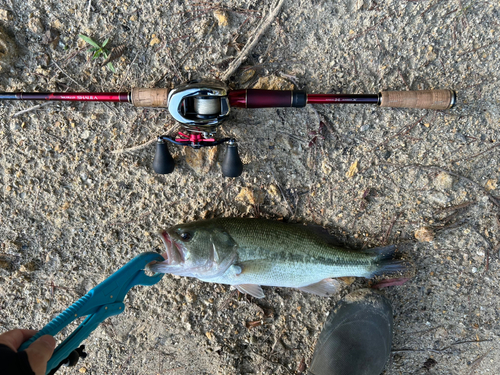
259,31
34,108
135,148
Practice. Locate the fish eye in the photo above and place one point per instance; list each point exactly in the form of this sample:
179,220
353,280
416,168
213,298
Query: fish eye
185,236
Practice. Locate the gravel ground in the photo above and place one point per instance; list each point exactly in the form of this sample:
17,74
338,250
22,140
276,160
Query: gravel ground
77,203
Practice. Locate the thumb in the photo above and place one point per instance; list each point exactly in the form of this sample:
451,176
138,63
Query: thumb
39,352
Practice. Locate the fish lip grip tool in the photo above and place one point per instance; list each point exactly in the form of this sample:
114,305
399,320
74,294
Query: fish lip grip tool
103,301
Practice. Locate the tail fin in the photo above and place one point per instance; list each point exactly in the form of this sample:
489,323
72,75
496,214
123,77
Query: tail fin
389,263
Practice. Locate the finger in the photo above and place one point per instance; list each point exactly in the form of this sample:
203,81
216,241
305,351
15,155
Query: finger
13,339
40,352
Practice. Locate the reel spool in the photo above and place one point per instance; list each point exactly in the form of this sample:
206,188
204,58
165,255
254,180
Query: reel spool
201,106
207,105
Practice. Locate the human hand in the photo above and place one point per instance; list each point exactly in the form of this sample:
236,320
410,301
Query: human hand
39,352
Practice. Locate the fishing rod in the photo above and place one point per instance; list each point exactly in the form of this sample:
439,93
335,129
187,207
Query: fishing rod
200,107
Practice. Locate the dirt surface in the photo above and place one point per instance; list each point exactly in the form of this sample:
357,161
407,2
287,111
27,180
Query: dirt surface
75,207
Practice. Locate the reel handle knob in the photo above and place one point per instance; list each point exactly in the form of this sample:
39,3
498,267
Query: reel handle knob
232,165
163,162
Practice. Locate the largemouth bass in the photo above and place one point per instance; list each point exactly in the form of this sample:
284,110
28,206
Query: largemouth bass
248,253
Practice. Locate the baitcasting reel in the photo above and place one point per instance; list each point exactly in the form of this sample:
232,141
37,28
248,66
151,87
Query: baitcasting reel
200,107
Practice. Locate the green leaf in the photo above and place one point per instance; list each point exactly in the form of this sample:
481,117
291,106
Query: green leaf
111,67
96,54
105,42
93,49
89,41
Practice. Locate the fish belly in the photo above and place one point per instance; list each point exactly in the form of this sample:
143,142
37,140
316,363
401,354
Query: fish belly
285,275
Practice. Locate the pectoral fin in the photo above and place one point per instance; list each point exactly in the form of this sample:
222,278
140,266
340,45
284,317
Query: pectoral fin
252,289
325,288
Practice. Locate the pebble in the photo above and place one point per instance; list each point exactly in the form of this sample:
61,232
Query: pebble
5,15
439,198
273,83
424,234
273,191
221,17
491,184
201,160
325,168
247,195
35,25
85,134
443,181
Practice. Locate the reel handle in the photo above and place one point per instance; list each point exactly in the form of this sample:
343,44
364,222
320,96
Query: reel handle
163,162
232,165
425,99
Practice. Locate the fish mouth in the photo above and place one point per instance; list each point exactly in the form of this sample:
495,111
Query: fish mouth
174,252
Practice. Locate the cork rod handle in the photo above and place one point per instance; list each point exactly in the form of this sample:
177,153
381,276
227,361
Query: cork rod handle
426,99
150,97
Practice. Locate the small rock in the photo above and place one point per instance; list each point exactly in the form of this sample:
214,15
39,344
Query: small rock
431,56
326,168
348,280
35,25
247,195
273,191
221,17
154,40
491,185
360,4
440,333
353,170
190,296
439,198
51,37
200,160
364,128
443,181
5,15
424,234
273,83
85,134
57,24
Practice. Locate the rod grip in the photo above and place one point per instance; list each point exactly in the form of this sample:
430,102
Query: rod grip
149,97
426,99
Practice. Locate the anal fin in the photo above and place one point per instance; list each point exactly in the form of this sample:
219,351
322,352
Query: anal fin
324,288
252,289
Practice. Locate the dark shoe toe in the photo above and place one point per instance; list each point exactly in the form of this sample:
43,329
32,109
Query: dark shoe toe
356,338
